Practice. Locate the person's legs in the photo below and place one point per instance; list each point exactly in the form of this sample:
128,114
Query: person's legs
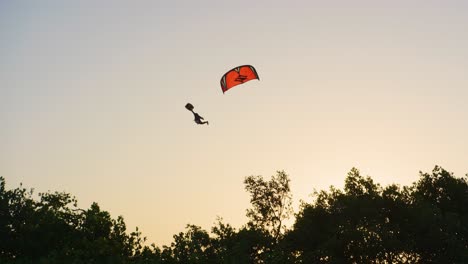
198,121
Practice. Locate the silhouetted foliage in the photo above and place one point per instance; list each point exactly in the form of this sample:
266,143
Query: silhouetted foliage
54,230
271,201
365,223
426,222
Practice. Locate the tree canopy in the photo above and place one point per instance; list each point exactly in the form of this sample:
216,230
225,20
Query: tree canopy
425,222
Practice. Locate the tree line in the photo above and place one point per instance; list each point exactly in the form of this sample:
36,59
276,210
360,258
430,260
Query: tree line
425,222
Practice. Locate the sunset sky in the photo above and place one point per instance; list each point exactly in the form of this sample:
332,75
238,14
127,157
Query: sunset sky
92,97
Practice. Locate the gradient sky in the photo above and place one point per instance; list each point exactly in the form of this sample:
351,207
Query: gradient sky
92,97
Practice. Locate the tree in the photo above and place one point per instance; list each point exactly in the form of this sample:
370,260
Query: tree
271,201
192,247
439,222
426,222
244,246
365,223
52,229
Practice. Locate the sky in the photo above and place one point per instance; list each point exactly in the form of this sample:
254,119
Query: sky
92,97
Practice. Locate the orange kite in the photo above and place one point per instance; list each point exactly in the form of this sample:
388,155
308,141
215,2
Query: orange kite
238,75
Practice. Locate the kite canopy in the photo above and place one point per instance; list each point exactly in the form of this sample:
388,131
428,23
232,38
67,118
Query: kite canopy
238,75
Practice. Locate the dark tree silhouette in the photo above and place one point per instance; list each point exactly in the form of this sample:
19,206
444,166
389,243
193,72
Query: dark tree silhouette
426,222
271,202
365,223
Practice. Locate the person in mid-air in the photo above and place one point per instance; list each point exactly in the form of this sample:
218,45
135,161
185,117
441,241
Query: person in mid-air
198,119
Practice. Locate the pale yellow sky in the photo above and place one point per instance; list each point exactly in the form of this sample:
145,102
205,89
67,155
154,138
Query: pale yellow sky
92,100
